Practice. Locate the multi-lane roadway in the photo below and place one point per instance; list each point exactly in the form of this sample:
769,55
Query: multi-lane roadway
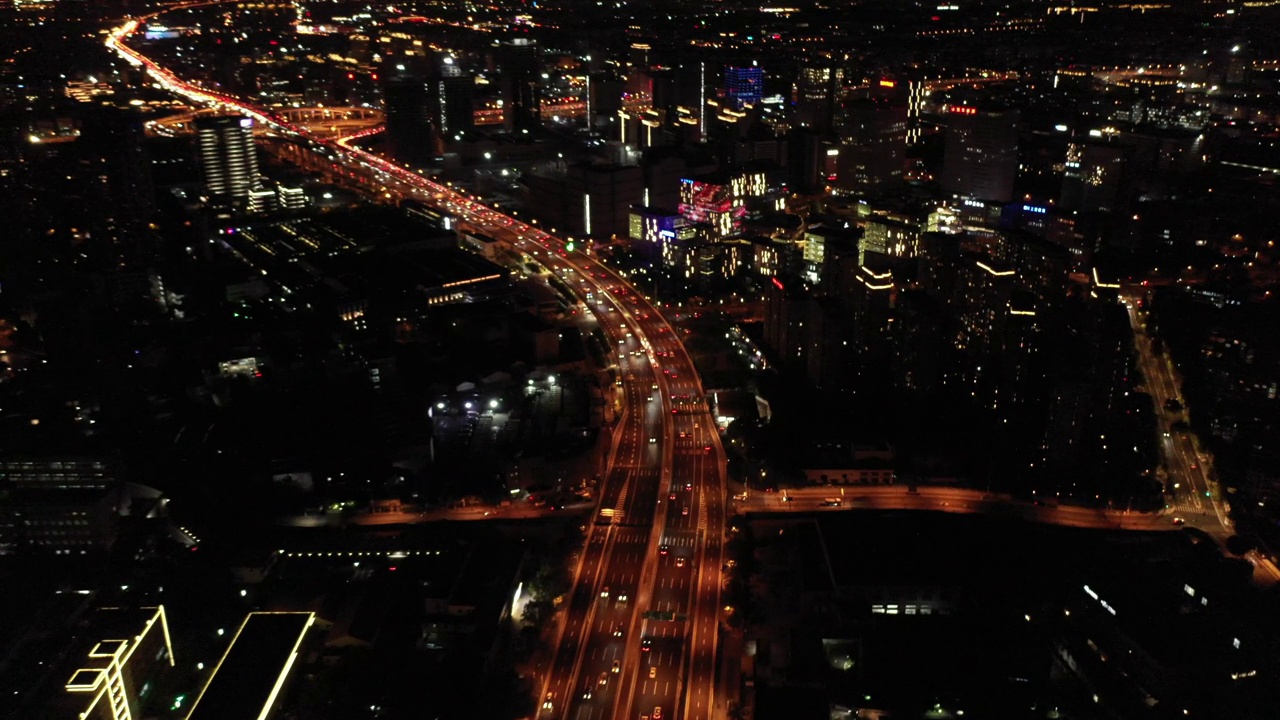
1192,495
640,633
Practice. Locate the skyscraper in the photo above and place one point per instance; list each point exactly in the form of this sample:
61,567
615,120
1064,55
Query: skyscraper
408,113
228,159
451,102
873,133
521,84
817,90
743,85
981,159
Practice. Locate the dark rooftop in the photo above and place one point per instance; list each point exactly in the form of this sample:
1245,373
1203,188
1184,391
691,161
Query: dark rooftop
247,677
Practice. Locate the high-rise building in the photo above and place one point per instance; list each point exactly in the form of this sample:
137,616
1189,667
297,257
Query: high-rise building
743,86
521,84
404,100
451,101
817,90
116,166
719,200
873,131
228,159
981,157
784,316
124,652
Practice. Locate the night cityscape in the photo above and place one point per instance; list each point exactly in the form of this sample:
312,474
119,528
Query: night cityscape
700,360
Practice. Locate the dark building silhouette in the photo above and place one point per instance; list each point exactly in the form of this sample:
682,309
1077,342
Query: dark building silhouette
521,84
981,157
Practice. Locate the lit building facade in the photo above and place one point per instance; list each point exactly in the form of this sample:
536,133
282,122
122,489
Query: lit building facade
720,201
743,86
134,644
228,158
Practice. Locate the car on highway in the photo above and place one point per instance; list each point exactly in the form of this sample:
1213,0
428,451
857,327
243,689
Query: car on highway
1179,521
657,713
586,694
663,549
684,510
653,671
679,562
547,702
605,592
645,645
617,666
653,440
604,678
622,598
617,632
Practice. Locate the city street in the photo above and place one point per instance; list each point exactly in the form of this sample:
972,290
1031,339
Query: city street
639,629
1194,497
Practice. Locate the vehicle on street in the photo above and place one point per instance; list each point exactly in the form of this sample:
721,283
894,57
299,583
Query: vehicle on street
653,671
605,592
679,562
617,666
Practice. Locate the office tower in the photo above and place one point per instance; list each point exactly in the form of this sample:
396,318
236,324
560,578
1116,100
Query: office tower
607,193
1095,176
113,139
404,100
120,656
871,297
450,99
981,305
58,504
817,90
891,238
290,198
919,342
521,84
261,200
830,359
873,133
228,159
784,315
265,647
1099,187
743,86
981,157
806,160
604,98
719,200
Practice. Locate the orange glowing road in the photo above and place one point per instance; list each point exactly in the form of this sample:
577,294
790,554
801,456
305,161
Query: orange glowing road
659,490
